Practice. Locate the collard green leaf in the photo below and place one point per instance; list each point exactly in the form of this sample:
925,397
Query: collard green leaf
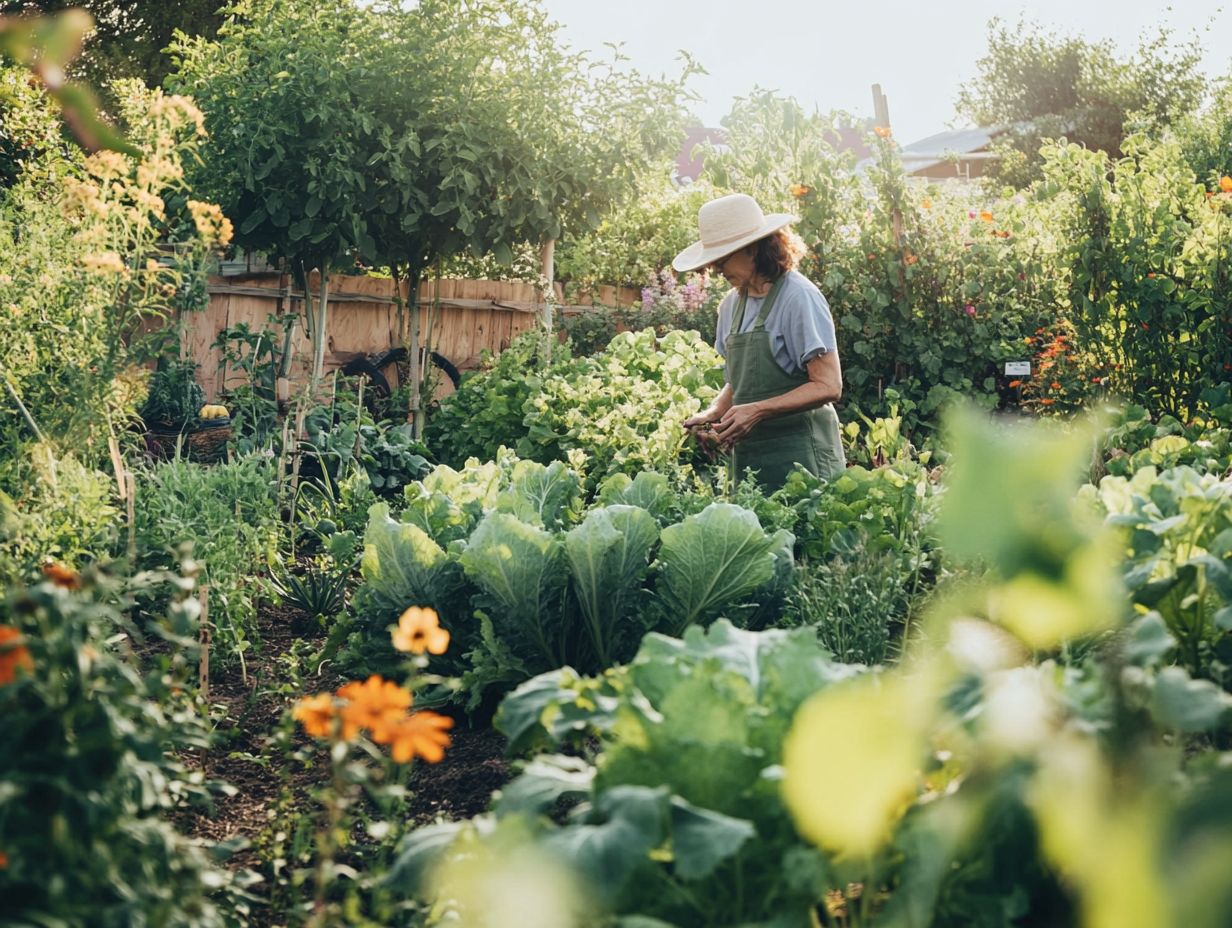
543,781
541,495
711,560
702,839
608,556
628,823
418,851
1148,640
648,490
519,566
1185,704
401,564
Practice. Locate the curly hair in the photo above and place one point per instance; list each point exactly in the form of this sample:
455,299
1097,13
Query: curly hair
777,253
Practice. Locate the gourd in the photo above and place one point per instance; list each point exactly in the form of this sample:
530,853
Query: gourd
211,411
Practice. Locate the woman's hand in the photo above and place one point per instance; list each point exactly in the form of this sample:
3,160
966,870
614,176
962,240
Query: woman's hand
703,418
735,424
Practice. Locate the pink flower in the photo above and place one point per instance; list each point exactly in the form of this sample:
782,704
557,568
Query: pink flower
970,214
969,310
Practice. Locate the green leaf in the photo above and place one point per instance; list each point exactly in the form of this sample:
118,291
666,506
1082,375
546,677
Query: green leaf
401,564
702,839
608,556
418,851
1148,641
712,560
542,782
1185,704
631,823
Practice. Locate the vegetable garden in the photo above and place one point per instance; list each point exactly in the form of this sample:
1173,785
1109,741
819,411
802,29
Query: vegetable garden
529,656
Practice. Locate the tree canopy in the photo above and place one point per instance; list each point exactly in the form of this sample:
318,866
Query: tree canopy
1039,85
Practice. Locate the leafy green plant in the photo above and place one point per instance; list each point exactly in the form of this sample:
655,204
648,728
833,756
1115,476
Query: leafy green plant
93,779
174,396
674,821
63,511
318,591
525,578
228,513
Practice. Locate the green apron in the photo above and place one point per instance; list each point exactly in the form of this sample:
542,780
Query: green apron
775,445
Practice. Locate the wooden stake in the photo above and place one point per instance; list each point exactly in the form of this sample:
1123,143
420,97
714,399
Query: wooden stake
204,636
130,502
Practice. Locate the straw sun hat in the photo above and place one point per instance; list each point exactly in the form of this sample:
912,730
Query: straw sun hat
726,225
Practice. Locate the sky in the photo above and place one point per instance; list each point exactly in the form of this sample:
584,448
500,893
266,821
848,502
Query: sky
829,54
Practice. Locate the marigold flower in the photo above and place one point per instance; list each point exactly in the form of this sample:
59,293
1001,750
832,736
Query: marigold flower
422,733
371,703
985,215
1047,401
1225,184
1015,384
1055,385
419,630
316,714
926,203
61,575
13,654
800,190
911,259
1150,275
883,132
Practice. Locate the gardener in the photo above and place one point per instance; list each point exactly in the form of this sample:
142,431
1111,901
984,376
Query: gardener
777,334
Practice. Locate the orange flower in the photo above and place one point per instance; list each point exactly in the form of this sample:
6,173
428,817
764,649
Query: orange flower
423,733
1055,385
1225,184
911,259
371,703
13,654
1150,276
1015,384
419,630
926,203
800,190
316,714
883,132
4,861
1047,402
985,215
60,575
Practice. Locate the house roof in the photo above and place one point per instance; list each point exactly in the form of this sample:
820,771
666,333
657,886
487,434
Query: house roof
937,149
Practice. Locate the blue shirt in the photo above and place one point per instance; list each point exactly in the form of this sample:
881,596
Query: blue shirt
799,325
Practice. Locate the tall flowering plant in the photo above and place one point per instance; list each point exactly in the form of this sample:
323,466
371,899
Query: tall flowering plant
101,250
356,722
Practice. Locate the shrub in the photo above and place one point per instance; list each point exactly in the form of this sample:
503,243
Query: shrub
90,777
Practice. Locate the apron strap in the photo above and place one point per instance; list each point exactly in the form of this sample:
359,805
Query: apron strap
760,321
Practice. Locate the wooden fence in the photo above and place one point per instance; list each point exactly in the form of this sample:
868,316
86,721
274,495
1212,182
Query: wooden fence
459,318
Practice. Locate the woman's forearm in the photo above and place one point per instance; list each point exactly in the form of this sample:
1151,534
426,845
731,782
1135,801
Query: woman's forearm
806,396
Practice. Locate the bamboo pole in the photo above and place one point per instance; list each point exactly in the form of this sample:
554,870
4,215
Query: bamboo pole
204,637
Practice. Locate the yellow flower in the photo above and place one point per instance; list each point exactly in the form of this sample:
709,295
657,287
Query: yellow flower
316,714
371,704
419,630
423,734
926,203
107,165
13,654
800,190
211,224
883,132
104,262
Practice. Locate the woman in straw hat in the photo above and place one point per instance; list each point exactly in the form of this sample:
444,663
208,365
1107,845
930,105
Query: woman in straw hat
777,335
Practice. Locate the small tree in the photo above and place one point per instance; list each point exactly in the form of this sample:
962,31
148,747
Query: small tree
289,128
1041,85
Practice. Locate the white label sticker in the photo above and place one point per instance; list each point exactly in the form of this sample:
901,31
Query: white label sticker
1018,368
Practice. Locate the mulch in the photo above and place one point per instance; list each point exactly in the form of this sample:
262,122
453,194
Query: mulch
247,715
